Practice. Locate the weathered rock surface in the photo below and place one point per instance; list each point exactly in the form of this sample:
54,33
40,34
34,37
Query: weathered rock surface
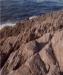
57,43
33,47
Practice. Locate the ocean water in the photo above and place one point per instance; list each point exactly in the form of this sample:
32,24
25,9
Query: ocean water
16,10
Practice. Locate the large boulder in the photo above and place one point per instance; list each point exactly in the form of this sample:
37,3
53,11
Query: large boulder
57,44
48,57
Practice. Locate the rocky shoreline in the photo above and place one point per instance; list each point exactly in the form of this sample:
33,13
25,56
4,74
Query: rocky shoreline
33,47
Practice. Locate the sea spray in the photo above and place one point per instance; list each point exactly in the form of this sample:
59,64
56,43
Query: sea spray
7,24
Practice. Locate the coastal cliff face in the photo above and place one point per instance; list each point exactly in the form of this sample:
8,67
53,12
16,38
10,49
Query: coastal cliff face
33,47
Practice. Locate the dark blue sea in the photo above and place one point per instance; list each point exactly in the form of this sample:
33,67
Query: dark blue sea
15,10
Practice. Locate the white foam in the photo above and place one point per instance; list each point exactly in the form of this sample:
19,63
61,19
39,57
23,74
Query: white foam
7,24
32,17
